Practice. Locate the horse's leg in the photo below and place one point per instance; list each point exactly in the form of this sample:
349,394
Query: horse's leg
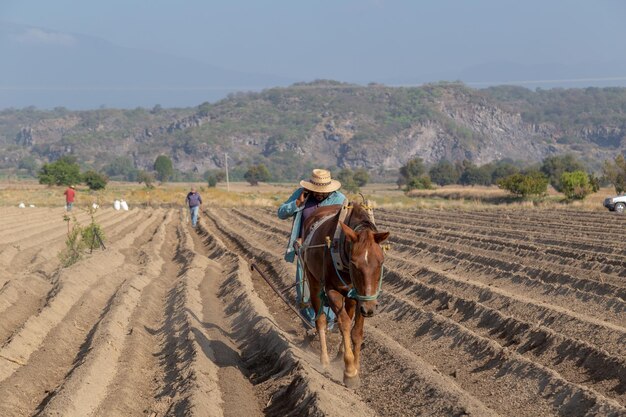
350,307
320,320
350,373
320,324
357,338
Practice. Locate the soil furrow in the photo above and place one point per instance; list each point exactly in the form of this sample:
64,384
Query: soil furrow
28,292
87,384
512,277
486,369
48,344
423,375
576,360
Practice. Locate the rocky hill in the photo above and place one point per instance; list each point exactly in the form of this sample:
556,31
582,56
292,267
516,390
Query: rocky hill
330,124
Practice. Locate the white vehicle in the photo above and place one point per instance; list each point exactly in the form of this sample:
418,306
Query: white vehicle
616,204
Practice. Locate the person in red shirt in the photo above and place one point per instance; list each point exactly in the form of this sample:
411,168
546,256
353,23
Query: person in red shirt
70,193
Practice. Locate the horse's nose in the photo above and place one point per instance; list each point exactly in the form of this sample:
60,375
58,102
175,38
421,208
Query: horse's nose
367,310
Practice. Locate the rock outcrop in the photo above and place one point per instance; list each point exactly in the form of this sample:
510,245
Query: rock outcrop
377,128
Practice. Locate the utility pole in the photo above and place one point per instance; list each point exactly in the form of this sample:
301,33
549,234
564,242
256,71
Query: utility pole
226,163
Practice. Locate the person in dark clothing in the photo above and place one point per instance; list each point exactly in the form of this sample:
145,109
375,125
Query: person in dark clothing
194,201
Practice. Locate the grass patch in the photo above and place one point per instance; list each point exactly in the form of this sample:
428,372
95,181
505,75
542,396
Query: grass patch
241,194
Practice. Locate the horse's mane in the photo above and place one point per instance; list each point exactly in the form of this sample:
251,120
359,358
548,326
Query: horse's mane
359,217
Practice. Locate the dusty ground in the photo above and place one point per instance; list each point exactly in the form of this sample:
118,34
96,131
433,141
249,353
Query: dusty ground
520,313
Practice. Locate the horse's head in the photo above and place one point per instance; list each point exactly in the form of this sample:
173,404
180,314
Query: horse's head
366,263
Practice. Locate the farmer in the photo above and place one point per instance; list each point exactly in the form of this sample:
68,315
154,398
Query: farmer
194,201
320,190
70,194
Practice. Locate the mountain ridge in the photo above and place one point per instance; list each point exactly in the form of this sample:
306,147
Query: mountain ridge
332,124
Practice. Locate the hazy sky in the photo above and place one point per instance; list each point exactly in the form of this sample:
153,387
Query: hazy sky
349,40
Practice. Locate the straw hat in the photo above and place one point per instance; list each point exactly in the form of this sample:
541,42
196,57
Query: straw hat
321,182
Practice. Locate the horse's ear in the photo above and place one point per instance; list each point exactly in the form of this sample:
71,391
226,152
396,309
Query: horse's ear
350,234
380,237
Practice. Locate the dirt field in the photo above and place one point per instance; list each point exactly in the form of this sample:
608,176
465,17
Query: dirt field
516,313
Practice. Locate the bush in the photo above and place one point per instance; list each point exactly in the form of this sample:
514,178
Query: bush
218,174
595,182
95,180
475,175
419,183
80,238
576,185
146,178
256,174
88,235
64,171
212,181
503,169
444,173
524,185
412,175
74,245
553,167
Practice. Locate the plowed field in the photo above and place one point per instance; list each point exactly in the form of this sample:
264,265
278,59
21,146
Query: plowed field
483,313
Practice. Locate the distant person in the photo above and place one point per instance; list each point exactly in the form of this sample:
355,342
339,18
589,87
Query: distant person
194,201
320,190
70,195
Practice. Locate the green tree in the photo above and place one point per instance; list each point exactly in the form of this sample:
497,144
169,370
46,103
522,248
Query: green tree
164,168
346,178
553,167
91,233
146,178
444,173
64,171
122,167
576,185
503,169
615,172
422,182
412,172
95,180
361,177
475,175
595,182
257,173
218,174
524,185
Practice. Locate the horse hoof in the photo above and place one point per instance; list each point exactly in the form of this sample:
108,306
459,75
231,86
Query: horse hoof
352,382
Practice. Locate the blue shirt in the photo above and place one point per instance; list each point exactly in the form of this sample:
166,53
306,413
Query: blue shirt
289,209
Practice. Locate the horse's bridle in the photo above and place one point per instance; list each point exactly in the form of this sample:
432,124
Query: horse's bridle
352,292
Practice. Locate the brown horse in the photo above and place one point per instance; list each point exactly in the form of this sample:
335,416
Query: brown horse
352,294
